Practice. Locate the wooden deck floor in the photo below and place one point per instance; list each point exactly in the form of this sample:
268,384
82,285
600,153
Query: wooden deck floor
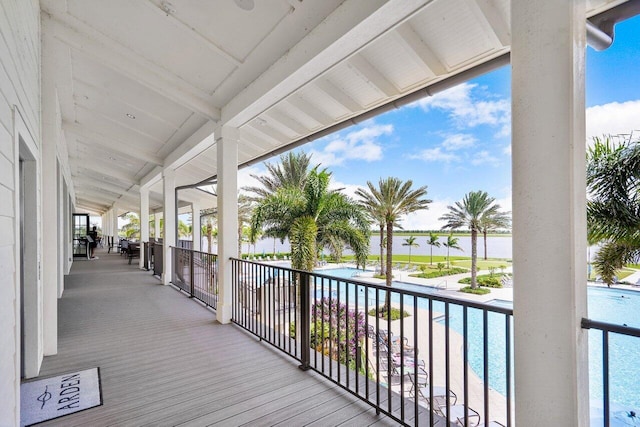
165,361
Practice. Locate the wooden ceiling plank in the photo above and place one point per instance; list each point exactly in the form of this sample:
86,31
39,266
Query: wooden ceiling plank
422,54
107,52
369,73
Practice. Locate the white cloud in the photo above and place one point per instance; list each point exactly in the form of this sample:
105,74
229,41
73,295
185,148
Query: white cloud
464,106
361,144
483,157
613,119
458,141
348,189
427,219
246,180
507,149
436,155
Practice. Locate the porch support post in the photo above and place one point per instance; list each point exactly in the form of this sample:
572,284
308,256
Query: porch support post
549,212
144,224
195,226
156,224
169,224
114,224
227,150
48,323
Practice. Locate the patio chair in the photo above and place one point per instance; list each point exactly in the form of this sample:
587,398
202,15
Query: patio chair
456,412
419,381
439,397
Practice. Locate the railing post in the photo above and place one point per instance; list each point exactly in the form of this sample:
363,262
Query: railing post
304,328
192,288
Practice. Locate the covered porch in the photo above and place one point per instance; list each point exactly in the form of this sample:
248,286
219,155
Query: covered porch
165,360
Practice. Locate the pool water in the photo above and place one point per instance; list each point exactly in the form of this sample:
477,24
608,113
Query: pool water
609,305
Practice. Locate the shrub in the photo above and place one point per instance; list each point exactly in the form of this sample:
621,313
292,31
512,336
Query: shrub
440,273
395,313
477,291
486,281
344,322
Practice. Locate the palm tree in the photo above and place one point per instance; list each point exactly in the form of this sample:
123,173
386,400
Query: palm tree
184,229
312,218
468,213
395,199
374,210
433,241
411,242
290,172
245,209
451,243
493,221
613,208
132,228
209,228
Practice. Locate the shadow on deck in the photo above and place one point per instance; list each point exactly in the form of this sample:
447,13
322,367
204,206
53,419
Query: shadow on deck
165,361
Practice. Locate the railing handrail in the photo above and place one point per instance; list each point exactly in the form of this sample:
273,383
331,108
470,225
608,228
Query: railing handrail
610,327
383,287
193,250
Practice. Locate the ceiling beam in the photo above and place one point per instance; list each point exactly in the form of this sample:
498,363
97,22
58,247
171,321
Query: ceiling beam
310,110
152,177
370,74
195,35
351,27
338,95
286,121
127,149
98,166
421,53
78,35
197,143
487,11
91,206
108,186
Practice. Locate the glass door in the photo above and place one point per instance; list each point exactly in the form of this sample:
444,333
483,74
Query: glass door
80,230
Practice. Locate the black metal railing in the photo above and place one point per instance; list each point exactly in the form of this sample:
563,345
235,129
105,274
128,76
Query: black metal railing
196,273
158,259
185,244
610,332
446,360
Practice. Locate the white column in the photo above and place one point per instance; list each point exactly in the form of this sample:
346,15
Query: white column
114,224
156,223
61,228
197,232
144,223
49,241
169,224
549,212
227,152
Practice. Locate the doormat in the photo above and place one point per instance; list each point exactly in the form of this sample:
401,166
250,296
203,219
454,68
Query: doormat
49,398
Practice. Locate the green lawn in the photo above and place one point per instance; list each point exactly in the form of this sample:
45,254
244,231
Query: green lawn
483,265
622,273
415,259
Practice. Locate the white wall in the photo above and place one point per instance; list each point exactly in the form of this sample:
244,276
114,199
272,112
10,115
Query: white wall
19,86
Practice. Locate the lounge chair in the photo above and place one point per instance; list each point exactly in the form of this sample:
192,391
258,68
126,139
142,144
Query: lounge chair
456,412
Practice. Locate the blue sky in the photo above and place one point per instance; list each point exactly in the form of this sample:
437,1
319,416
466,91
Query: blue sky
459,140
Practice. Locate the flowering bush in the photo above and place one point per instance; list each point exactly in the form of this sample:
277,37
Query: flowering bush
336,330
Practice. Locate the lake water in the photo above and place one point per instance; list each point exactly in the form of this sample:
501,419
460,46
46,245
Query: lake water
497,247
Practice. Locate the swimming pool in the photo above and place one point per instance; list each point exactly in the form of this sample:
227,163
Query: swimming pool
609,305
613,306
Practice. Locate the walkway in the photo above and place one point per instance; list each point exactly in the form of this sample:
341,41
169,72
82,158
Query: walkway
165,361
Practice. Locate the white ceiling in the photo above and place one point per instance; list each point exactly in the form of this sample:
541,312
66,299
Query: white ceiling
142,83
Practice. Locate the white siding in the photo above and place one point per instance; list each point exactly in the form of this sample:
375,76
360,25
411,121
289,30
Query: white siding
19,86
